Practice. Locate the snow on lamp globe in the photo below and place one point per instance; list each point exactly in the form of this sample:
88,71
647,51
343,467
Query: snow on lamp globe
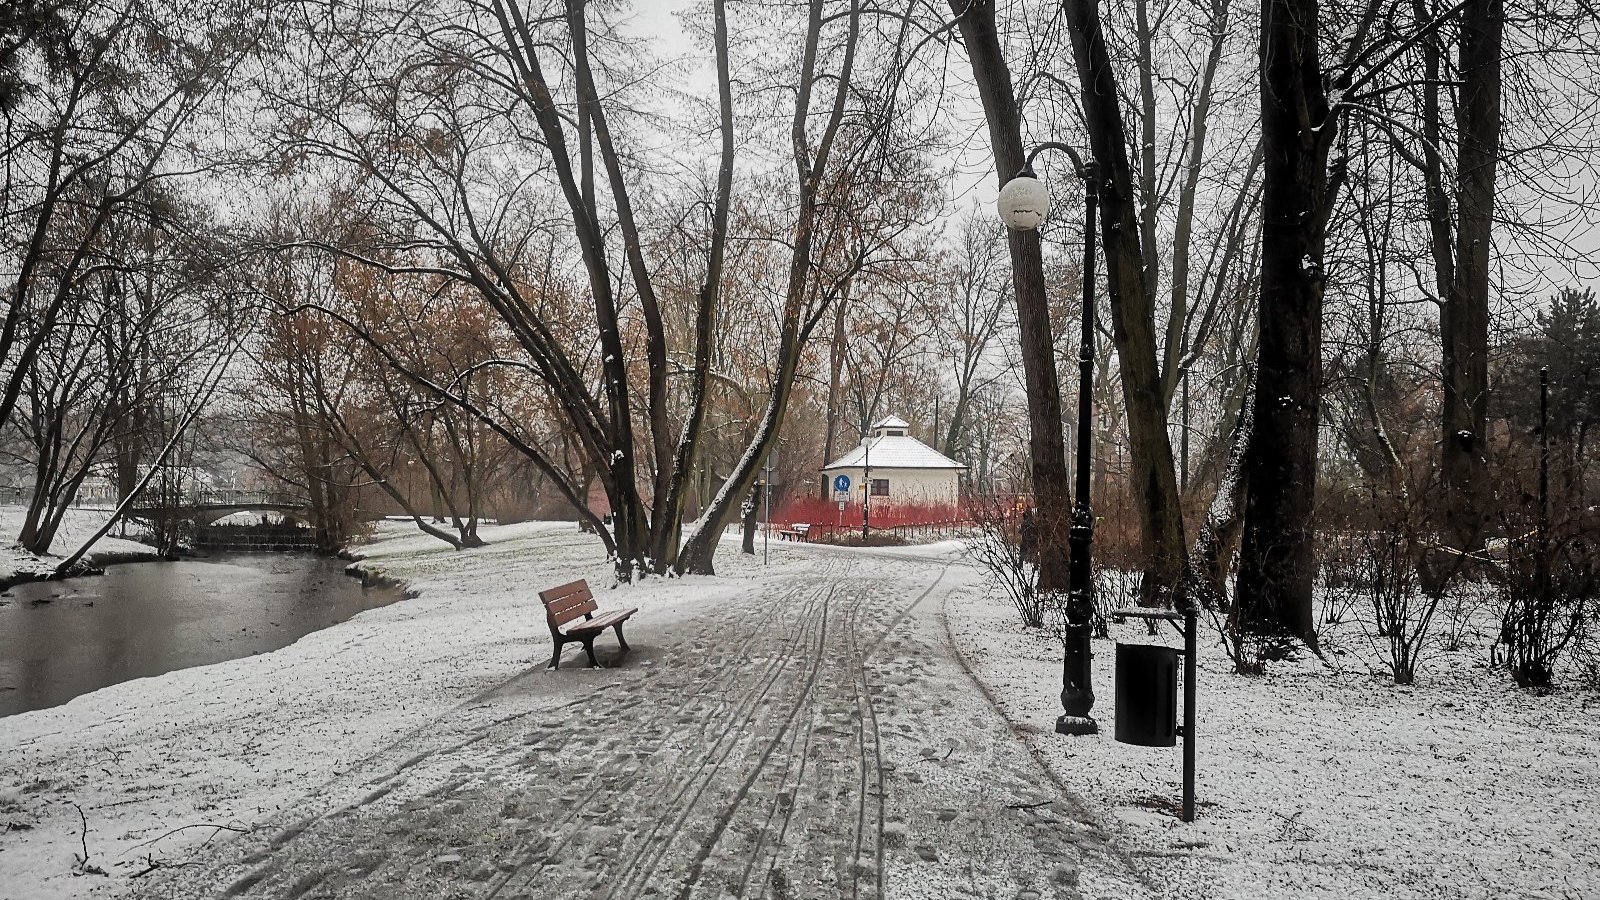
1023,202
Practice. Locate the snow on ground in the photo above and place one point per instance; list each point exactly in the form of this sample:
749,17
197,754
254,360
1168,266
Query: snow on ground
228,744
17,564
807,734
421,748
1327,781
789,729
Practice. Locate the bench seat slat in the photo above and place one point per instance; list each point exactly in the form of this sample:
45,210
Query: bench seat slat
602,621
561,590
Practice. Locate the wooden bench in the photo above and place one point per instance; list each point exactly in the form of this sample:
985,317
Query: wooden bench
566,604
799,531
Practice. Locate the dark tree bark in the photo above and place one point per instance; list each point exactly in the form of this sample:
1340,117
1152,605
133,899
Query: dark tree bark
1276,561
747,520
1464,320
1047,445
1155,481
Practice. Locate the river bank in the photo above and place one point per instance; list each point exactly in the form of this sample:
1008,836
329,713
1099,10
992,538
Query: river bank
18,566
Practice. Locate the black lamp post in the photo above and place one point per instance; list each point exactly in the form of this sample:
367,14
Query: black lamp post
866,487
1024,202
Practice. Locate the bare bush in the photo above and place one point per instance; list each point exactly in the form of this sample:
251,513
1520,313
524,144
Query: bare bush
1343,580
1114,588
997,546
1586,653
1401,612
1246,649
1459,614
1550,592
1382,557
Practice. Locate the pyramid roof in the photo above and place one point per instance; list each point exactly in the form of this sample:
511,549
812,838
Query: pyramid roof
894,453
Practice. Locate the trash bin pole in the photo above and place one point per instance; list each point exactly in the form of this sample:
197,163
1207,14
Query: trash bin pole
1189,641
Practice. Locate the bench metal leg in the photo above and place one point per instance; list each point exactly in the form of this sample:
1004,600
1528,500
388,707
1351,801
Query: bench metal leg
618,629
555,658
588,647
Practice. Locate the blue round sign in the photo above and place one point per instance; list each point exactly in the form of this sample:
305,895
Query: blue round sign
841,482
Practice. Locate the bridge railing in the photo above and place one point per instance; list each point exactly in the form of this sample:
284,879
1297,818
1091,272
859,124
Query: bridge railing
243,499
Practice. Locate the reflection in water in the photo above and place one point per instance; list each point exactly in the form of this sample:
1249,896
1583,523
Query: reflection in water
59,639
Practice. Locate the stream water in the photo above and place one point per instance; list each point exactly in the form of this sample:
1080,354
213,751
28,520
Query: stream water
59,639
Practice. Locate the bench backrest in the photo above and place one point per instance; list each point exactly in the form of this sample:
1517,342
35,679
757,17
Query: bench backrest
567,602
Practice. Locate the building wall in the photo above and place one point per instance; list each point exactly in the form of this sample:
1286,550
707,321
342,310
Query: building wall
924,486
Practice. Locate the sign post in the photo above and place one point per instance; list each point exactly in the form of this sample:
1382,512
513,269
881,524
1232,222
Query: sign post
841,494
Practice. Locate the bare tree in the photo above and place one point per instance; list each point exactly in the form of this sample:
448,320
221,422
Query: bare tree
134,334
965,333
844,172
101,102
1047,445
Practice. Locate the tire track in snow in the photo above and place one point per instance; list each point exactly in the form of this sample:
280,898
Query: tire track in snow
869,708
656,844
814,659
568,737
867,715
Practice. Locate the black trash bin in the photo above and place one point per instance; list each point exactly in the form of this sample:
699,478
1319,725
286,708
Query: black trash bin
1147,695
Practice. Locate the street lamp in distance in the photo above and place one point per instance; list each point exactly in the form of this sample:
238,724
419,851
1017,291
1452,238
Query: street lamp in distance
1023,204
866,488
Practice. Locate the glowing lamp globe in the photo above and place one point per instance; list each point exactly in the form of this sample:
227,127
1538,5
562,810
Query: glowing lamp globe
1023,203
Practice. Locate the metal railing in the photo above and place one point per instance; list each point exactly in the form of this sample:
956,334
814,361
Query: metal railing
243,499
825,532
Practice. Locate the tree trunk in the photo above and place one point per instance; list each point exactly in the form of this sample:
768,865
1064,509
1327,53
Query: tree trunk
668,525
436,494
752,505
1277,565
1214,546
1464,322
1155,480
1047,444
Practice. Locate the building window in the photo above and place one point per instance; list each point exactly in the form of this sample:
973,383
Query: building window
880,487
898,432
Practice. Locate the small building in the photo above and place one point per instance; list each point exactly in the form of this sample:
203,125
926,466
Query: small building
901,468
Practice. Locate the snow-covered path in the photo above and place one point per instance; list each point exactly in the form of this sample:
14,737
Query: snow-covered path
812,735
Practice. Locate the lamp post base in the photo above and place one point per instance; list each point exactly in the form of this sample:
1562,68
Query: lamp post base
1077,725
